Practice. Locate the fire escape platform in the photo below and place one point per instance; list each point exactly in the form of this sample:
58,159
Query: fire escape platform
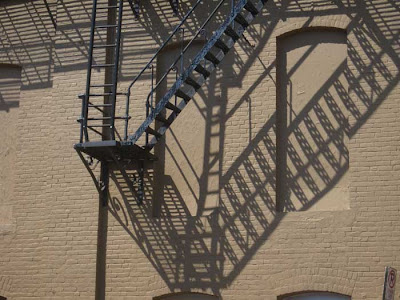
110,150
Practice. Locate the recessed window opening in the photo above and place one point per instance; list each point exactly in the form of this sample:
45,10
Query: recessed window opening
312,121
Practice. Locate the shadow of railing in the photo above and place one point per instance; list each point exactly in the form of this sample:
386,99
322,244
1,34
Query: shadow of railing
209,252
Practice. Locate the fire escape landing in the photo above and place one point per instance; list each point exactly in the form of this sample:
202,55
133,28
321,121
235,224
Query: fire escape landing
99,138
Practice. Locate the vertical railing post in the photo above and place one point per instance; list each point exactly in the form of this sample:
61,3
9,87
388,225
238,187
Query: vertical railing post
176,78
128,95
233,12
116,65
81,118
150,98
182,49
152,87
85,99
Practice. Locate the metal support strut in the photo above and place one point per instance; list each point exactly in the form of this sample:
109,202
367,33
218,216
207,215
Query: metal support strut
141,182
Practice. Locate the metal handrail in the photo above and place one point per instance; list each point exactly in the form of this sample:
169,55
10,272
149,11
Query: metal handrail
148,65
85,100
165,43
187,46
179,57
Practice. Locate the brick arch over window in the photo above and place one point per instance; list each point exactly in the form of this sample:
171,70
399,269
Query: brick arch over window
298,280
186,296
286,32
315,295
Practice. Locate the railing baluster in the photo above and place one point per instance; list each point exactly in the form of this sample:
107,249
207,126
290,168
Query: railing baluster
116,65
182,47
85,107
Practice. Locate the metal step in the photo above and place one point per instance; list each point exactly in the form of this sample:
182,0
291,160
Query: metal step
232,31
198,78
215,58
172,107
153,132
244,19
224,44
103,66
164,128
163,120
98,126
254,8
105,94
193,83
101,85
105,26
100,105
107,118
105,46
99,119
108,7
205,68
186,94
100,95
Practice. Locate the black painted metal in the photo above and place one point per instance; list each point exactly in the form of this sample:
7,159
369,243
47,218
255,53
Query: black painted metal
107,114
226,26
85,98
115,73
187,81
151,61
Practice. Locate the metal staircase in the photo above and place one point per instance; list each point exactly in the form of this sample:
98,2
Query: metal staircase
98,140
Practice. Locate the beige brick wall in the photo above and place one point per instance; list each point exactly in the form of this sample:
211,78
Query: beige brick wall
241,249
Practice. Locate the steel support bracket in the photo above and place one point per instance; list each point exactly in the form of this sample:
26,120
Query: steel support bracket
87,165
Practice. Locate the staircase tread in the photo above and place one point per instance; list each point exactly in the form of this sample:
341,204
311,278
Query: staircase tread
153,132
204,63
244,19
254,8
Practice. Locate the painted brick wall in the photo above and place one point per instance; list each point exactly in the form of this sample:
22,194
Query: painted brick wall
241,249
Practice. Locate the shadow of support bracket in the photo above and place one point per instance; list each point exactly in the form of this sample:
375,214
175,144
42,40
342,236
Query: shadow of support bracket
139,182
97,183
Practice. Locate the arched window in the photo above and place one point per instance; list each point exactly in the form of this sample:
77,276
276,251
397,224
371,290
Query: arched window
316,296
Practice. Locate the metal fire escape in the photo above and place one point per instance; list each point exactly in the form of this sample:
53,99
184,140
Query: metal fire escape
99,138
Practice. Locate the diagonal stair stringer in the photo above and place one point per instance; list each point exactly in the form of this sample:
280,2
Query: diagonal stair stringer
236,31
